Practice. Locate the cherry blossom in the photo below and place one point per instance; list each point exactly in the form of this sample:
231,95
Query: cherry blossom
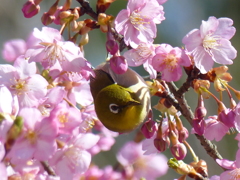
53,50
74,159
211,43
143,54
144,164
168,61
37,139
23,82
138,22
233,167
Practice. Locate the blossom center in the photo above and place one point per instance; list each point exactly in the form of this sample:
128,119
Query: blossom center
74,155
143,52
235,174
136,19
19,86
210,42
170,62
63,118
31,136
53,52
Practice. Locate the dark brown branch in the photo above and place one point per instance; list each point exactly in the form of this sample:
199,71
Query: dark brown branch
120,39
48,168
210,148
87,9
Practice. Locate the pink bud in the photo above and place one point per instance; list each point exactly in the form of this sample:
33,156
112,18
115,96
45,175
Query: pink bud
47,18
183,134
112,47
118,64
149,127
161,144
30,9
200,112
179,151
199,126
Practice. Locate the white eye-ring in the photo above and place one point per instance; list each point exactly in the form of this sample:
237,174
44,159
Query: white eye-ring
114,108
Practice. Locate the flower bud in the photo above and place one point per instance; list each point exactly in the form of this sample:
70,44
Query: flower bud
118,64
47,19
112,47
182,131
161,144
179,151
200,111
30,9
102,5
199,126
84,39
149,127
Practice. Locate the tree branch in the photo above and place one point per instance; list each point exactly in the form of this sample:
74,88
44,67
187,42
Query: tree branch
87,9
210,148
48,168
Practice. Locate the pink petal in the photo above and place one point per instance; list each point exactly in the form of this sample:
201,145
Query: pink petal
202,59
192,40
225,53
86,141
225,163
44,149
225,28
6,100
121,21
13,48
24,67
209,26
135,4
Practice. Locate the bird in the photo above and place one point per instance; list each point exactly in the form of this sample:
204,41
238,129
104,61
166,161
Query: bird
121,101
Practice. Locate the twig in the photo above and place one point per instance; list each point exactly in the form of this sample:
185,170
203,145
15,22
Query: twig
87,9
210,148
48,168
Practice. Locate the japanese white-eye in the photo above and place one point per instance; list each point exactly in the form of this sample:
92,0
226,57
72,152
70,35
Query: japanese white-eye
122,101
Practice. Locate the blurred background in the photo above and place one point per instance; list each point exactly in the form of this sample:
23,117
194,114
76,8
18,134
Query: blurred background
181,17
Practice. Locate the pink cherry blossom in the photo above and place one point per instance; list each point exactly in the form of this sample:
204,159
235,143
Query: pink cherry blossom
77,88
211,43
23,82
143,54
66,118
215,129
13,48
37,139
53,50
74,159
54,97
233,167
147,167
137,23
168,61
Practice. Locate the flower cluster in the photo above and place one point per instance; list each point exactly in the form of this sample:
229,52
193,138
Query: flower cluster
49,129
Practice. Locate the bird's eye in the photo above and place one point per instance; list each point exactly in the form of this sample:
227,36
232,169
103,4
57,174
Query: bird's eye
114,108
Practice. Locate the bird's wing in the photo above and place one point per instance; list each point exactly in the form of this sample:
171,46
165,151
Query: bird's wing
101,80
